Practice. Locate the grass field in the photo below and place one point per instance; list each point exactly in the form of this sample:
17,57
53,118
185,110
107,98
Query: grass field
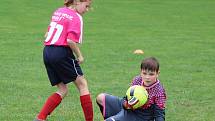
180,33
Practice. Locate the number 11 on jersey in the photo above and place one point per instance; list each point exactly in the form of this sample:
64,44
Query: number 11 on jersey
52,33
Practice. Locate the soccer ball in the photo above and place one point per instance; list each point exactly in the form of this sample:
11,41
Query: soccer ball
136,96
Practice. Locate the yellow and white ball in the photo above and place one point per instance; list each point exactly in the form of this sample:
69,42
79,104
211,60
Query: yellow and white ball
137,92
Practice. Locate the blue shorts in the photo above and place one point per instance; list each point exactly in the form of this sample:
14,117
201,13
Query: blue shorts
113,111
61,64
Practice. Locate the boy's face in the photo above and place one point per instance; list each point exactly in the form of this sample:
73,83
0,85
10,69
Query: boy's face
149,77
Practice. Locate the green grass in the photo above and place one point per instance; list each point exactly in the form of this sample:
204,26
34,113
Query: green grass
179,33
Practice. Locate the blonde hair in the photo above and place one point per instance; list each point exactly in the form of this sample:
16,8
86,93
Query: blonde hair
67,3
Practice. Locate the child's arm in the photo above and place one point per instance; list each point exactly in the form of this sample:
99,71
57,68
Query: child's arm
46,34
159,113
76,50
159,109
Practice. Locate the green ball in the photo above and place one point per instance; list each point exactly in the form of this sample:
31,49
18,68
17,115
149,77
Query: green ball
139,93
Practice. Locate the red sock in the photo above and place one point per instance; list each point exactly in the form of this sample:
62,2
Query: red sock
51,103
87,107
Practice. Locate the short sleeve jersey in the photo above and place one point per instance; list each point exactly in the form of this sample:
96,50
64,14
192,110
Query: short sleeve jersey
155,91
65,24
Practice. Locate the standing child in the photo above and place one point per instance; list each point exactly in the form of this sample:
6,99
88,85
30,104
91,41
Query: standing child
62,57
117,109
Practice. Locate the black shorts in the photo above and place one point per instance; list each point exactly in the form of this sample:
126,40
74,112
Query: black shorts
61,64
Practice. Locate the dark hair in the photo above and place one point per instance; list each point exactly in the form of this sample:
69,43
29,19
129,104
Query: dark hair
69,2
150,63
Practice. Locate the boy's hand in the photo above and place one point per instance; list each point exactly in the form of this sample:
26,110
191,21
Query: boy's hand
133,101
128,104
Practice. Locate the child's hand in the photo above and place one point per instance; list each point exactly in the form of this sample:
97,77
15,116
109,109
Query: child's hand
128,104
133,101
80,59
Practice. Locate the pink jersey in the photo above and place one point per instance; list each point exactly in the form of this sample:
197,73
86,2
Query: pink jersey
65,24
156,93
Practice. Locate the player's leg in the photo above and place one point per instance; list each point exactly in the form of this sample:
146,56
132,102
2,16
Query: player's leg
100,101
85,98
53,101
109,105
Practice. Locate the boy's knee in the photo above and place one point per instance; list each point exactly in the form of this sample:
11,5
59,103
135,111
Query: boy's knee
100,98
